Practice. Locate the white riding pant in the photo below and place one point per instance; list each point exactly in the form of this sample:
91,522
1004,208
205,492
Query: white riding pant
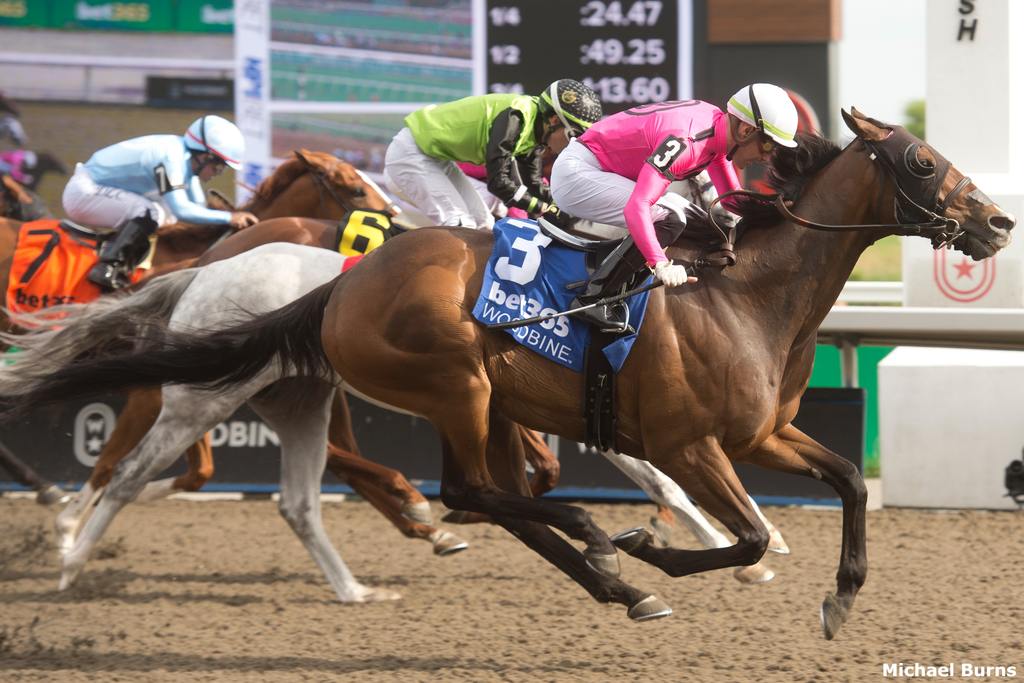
105,208
434,186
581,188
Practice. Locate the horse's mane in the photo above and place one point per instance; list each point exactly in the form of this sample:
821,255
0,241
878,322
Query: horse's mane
283,176
790,170
336,171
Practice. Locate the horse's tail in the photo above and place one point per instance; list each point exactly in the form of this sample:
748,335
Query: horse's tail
212,360
57,336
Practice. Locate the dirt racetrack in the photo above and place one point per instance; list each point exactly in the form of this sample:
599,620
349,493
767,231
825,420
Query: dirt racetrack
221,591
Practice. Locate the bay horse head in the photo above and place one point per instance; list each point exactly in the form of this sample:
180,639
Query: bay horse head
317,185
19,203
931,197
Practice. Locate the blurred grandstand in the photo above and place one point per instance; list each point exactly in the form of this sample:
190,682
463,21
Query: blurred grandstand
360,139
372,51
439,27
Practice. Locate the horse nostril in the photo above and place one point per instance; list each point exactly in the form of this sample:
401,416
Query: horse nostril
1002,222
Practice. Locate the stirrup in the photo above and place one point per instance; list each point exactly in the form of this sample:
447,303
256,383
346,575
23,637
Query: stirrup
598,318
108,277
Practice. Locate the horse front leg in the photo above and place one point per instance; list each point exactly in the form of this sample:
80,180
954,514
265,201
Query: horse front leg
713,483
199,457
790,450
344,459
546,468
673,504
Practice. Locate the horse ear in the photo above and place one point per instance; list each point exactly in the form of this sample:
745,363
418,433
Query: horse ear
864,127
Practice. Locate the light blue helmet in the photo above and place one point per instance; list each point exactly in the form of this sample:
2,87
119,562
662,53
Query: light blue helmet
219,137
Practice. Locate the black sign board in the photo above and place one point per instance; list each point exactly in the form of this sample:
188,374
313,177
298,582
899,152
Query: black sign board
190,93
627,51
62,443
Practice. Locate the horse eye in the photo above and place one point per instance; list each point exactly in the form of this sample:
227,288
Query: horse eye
358,192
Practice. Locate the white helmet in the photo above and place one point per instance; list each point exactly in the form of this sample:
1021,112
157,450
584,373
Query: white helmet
219,137
769,108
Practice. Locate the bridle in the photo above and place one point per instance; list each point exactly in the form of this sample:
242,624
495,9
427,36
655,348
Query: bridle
323,186
917,188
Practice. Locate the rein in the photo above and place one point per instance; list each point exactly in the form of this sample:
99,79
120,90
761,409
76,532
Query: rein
942,231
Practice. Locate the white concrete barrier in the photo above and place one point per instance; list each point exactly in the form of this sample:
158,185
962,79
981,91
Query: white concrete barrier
950,423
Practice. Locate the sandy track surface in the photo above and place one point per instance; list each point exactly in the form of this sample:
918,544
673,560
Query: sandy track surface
222,591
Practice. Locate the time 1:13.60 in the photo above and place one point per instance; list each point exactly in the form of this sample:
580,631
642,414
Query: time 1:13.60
640,90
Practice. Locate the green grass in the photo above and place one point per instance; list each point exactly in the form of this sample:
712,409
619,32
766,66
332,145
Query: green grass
881,261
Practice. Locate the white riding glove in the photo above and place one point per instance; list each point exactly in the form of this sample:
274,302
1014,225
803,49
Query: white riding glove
671,274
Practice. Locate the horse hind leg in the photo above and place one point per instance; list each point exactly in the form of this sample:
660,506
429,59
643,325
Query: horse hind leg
790,450
138,416
525,517
177,427
303,434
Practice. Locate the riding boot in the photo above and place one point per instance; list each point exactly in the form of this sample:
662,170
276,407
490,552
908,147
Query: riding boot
611,277
121,253
615,274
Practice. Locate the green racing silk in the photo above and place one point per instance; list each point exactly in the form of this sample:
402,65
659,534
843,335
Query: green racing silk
458,131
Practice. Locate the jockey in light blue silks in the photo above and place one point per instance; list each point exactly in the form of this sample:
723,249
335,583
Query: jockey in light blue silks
135,186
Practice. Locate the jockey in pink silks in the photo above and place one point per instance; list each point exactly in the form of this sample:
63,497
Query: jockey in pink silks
618,172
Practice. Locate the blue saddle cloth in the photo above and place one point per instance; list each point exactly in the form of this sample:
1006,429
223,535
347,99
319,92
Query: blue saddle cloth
527,276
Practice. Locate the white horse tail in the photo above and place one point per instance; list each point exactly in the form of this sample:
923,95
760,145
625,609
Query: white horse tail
58,335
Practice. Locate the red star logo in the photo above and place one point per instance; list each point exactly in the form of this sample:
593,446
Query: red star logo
963,269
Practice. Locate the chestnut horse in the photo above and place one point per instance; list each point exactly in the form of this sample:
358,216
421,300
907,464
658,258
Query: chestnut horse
314,184
715,375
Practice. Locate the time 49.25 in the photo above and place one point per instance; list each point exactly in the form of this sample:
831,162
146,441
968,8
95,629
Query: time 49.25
612,51
640,90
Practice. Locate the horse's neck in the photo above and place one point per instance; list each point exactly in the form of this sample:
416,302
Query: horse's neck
796,274
301,197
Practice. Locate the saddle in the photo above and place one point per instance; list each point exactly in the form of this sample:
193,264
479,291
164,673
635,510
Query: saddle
50,263
704,244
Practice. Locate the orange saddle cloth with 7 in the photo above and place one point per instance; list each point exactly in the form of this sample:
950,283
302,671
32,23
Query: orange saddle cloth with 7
49,267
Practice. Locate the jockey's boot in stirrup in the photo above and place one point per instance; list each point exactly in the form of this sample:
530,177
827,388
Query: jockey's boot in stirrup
121,253
610,278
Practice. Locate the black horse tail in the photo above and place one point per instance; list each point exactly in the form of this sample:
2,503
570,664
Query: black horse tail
211,360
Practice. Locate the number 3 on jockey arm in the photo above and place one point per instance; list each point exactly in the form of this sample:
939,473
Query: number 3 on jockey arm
362,232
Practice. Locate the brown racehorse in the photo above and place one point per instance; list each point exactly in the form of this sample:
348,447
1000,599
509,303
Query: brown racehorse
316,184
715,376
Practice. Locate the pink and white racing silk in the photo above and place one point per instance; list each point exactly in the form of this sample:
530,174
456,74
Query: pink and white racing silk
656,144
13,162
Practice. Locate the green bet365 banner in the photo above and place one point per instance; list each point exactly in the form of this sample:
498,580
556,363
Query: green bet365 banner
205,16
132,15
24,13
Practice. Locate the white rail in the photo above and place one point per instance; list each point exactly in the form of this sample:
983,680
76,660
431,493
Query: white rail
872,293
97,78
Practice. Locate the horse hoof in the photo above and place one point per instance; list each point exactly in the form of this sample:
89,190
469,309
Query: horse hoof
377,595
833,615
68,576
447,543
755,573
777,544
606,564
464,517
633,539
649,608
52,495
662,532
418,512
